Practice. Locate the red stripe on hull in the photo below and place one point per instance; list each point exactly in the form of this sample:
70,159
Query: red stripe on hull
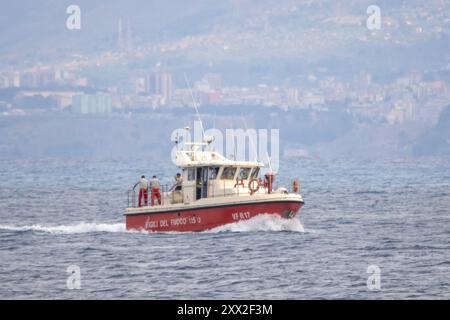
207,218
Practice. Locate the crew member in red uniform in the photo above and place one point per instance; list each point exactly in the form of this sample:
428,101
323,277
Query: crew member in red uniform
143,190
155,187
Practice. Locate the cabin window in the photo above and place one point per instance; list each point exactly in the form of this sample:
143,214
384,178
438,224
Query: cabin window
244,173
228,173
191,174
213,172
255,173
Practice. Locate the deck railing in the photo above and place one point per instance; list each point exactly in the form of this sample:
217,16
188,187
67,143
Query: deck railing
170,195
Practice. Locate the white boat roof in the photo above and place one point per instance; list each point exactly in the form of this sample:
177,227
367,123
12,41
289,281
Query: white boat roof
197,158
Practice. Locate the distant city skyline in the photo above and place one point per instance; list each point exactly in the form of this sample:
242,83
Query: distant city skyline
387,68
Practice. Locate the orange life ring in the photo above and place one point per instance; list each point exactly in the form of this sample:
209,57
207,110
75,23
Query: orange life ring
251,185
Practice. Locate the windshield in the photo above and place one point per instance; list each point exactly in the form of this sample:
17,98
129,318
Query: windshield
228,173
213,172
255,173
244,173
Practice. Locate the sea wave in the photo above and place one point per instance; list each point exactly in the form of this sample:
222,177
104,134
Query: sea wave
82,227
262,222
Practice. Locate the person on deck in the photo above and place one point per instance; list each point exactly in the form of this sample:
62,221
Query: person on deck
155,187
178,181
143,190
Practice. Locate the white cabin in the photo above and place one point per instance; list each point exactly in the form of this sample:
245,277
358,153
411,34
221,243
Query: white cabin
208,174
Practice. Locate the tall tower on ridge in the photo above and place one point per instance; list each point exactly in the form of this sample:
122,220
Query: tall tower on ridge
129,37
120,43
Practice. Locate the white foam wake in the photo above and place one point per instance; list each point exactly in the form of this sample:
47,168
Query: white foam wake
70,229
262,222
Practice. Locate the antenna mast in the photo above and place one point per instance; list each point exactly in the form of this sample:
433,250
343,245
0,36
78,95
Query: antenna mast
270,164
250,138
195,104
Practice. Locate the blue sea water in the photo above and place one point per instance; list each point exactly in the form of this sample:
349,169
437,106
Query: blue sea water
394,214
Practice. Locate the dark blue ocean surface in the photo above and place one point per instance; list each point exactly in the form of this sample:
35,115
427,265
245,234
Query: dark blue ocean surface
394,214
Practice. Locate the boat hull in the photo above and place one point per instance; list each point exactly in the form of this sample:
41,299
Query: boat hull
208,217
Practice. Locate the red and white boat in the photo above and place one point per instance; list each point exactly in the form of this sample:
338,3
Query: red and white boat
214,191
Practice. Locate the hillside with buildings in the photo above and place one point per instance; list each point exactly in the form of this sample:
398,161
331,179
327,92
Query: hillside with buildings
313,69
435,141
